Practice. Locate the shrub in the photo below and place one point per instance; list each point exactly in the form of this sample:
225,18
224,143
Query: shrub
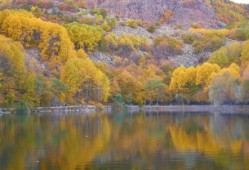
167,46
189,38
208,43
84,36
226,55
22,108
99,106
151,28
195,25
132,23
124,44
99,11
240,34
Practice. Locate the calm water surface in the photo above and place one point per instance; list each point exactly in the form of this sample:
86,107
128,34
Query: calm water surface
124,141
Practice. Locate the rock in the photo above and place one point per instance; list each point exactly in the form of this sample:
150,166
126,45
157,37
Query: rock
170,31
222,24
33,62
188,58
98,57
119,30
185,12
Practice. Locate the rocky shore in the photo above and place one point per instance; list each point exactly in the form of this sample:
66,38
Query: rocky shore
224,109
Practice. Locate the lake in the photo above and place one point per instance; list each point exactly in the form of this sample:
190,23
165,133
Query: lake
124,141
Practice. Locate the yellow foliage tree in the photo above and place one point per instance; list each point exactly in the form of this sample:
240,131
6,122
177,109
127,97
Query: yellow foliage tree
86,83
245,54
6,13
182,77
226,55
84,36
233,69
204,72
15,84
123,44
52,39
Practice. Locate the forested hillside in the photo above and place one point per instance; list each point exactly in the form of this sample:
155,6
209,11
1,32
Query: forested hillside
91,52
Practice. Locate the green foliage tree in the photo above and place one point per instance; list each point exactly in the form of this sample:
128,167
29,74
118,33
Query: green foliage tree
109,24
240,34
189,38
244,60
99,11
208,43
84,36
128,86
124,44
155,90
226,55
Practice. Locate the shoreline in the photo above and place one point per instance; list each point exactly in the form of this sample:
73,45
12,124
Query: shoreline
224,109
229,109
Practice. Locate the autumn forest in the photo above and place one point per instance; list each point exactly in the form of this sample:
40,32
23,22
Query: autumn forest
67,52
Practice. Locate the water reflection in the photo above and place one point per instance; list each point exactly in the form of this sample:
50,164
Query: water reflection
124,141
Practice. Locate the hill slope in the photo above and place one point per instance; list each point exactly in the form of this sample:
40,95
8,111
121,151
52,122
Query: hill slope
182,12
48,48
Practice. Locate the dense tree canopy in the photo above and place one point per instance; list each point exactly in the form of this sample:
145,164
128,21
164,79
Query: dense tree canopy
14,79
84,36
45,58
52,39
85,81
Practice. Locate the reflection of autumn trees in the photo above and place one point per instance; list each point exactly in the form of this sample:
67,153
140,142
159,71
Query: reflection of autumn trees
134,141
82,141
69,143
139,133
145,137
201,137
